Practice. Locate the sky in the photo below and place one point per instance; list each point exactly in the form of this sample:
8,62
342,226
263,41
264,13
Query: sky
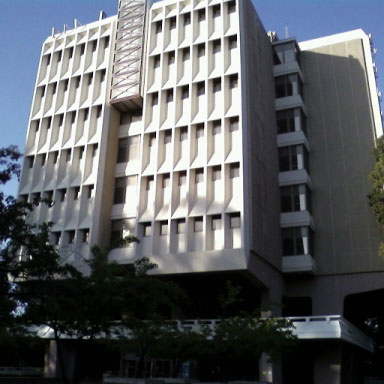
25,24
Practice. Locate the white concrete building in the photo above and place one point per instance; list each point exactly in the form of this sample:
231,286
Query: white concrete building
228,153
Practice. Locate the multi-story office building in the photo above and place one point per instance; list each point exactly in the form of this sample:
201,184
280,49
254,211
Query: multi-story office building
229,153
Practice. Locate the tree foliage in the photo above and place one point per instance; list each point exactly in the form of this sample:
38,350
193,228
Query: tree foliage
112,301
376,196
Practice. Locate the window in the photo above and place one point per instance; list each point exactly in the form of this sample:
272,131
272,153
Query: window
293,158
73,117
152,140
156,61
68,155
55,156
48,59
61,119
56,238
42,157
183,133
171,58
216,46
42,91
62,194
149,184
121,228
133,148
295,198
36,125
128,149
182,178
234,170
199,131
166,181
106,42
35,197
159,26
48,120
200,50
233,81
125,118
81,152
216,11
186,54
84,235
216,173
290,120
285,53
85,115
65,88
82,49
199,176
198,224
147,230
77,82
297,241
90,78
201,15
231,6
216,223
122,152
288,85
167,137
216,127
234,220
70,52
172,23
180,226
155,99
232,42
184,92
90,191
94,45
54,87
216,85
233,124
95,148
76,193
169,95
120,190
102,76
187,19
31,160
200,89
71,237
163,228
99,109
49,197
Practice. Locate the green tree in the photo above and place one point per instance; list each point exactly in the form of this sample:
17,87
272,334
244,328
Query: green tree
9,227
376,196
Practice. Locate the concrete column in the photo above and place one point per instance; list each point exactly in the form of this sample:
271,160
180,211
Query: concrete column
50,360
265,369
327,365
270,372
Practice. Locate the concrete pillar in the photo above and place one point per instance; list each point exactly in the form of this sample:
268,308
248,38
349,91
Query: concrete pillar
265,369
270,299
50,360
327,365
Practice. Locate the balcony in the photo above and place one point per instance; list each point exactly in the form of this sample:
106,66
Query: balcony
299,264
330,328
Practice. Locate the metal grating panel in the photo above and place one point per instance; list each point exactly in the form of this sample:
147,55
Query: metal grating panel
129,50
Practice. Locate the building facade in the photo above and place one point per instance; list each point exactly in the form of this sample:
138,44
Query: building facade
230,154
